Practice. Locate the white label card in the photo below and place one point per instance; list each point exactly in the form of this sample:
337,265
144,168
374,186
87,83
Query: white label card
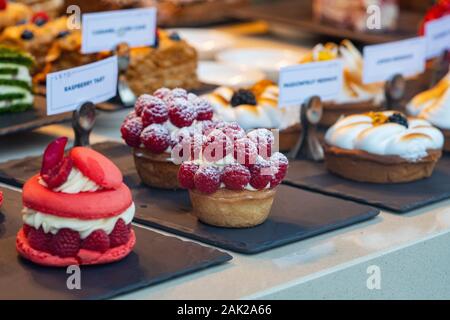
68,89
300,82
105,30
437,33
383,61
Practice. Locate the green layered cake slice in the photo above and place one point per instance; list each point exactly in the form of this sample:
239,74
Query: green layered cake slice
16,92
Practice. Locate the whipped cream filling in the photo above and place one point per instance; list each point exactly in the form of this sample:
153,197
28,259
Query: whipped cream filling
53,224
76,183
357,132
23,73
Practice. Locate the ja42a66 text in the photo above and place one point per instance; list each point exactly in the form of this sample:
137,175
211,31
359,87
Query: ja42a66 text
232,309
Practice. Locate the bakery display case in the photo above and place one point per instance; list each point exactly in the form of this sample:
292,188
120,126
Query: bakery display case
231,149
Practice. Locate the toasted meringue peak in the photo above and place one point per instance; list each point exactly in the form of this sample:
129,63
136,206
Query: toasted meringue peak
433,105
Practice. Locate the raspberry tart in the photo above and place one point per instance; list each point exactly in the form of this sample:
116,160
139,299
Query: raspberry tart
382,147
257,107
231,176
77,211
433,105
158,122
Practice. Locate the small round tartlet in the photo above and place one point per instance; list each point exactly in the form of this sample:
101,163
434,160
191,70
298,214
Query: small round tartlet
231,176
433,105
257,107
152,129
77,211
382,147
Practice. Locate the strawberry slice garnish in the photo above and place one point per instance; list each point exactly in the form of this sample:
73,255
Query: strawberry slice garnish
56,167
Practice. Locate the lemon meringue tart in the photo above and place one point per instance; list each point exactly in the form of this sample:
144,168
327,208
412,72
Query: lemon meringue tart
356,97
433,105
382,147
257,107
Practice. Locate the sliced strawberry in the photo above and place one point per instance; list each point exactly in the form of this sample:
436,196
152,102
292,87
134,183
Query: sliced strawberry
57,176
55,167
53,154
96,241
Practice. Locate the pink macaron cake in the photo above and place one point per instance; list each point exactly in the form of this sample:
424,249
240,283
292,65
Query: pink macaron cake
77,211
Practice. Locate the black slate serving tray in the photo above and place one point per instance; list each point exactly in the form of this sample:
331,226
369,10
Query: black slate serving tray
31,119
155,258
399,198
296,214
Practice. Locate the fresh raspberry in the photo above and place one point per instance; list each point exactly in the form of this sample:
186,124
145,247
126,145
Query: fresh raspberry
96,241
162,93
187,140
39,240
131,130
141,102
207,179
3,5
208,126
120,234
245,152
59,174
264,141
261,173
156,138
280,164
216,146
203,109
236,176
131,115
181,113
232,130
179,93
26,229
186,175
40,18
66,243
155,111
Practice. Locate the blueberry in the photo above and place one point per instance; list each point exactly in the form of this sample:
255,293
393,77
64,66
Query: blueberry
243,96
40,22
27,35
399,119
63,34
21,22
175,36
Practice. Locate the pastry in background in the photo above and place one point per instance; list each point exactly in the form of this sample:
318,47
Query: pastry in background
53,8
355,15
16,91
77,210
257,107
433,105
12,13
356,97
382,147
172,63
232,181
35,37
158,122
